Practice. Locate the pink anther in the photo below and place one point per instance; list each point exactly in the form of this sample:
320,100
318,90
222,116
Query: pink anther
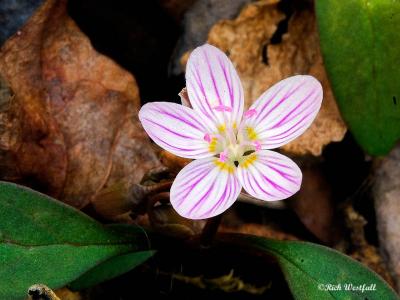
250,113
207,138
223,156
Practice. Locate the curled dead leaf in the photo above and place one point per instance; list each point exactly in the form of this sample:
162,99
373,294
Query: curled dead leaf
71,128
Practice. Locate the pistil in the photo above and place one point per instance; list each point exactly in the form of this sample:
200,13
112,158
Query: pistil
227,126
229,139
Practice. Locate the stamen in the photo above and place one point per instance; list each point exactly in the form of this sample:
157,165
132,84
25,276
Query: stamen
257,145
227,123
223,108
221,128
207,138
248,161
251,133
224,166
246,144
250,113
223,156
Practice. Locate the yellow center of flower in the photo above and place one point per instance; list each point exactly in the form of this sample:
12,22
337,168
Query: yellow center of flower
249,160
212,147
251,133
233,146
223,166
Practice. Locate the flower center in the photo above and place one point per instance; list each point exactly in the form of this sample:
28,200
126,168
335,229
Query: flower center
233,145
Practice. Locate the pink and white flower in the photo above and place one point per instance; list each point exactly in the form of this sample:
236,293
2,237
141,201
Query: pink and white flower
231,148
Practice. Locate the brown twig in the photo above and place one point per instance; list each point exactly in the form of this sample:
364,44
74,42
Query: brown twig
209,231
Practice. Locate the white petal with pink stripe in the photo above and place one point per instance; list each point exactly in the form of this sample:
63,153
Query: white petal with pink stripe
285,111
176,128
204,188
214,86
270,176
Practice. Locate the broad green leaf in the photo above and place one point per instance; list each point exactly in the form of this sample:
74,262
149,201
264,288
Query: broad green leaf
111,268
309,270
45,241
361,49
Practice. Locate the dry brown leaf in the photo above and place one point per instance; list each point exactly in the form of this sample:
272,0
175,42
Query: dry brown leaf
244,40
71,128
66,294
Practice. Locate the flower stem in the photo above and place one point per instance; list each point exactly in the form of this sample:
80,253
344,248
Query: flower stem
209,231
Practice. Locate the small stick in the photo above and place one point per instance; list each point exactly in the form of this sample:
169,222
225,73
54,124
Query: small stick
209,231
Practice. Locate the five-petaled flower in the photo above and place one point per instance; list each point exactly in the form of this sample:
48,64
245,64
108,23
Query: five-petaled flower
230,147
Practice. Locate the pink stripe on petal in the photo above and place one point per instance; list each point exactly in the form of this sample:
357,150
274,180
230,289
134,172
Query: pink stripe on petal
187,119
296,111
192,181
252,185
203,198
280,101
212,76
230,191
286,110
176,133
289,132
267,99
282,166
176,128
202,190
227,80
286,136
268,180
282,138
211,81
287,176
173,147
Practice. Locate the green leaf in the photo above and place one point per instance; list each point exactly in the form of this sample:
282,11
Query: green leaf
111,268
45,241
361,49
309,270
